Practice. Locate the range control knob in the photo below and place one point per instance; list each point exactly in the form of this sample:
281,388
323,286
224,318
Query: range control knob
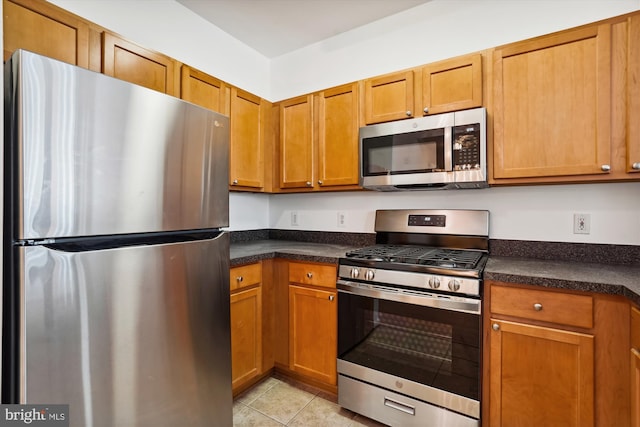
434,282
369,275
454,285
354,273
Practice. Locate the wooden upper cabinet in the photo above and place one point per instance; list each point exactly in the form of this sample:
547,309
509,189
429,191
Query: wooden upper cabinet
633,97
127,61
296,142
247,150
337,136
389,97
43,28
202,89
451,85
552,105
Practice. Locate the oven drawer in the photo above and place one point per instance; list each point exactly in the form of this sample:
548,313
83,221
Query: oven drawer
312,274
393,408
545,306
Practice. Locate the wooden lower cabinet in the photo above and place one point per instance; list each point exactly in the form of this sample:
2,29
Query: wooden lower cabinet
555,358
635,367
540,376
307,315
313,333
246,325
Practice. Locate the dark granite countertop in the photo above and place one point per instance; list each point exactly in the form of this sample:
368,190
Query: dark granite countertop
252,251
601,278
610,279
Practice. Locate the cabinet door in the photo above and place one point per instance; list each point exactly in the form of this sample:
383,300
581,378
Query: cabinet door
313,333
42,28
296,142
246,156
540,376
338,136
633,79
635,387
202,89
451,85
389,97
246,335
635,367
553,105
130,62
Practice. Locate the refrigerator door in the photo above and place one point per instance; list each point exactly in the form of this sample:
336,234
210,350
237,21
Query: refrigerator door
93,155
135,336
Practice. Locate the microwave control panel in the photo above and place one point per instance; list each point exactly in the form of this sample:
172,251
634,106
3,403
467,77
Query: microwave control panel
466,147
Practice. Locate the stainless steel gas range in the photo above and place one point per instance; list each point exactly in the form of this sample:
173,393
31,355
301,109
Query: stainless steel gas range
409,319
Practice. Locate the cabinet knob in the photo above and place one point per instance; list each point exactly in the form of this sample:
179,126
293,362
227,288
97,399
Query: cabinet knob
605,168
235,182
635,166
495,327
409,113
331,297
309,275
319,182
308,183
239,279
537,307
426,110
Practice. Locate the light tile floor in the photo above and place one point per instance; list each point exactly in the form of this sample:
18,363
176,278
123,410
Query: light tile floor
278,401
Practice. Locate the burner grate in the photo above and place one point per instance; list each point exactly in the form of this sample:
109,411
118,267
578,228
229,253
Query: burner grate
419,255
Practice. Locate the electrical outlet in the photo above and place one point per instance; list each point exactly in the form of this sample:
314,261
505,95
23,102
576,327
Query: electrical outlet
342,219
294,219
581,223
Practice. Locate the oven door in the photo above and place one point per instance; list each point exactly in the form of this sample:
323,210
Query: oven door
423,345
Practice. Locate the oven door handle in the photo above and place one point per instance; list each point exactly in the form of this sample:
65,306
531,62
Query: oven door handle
446,302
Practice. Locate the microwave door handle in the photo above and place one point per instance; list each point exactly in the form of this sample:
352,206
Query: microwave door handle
448,149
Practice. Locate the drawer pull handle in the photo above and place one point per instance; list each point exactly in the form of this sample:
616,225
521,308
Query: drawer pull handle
309,275
537,307
402,407
331,297
495,327
239,279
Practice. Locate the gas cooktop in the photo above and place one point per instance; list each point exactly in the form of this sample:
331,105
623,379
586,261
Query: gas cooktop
419,255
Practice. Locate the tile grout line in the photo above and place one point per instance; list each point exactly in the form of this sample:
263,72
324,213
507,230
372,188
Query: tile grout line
302,409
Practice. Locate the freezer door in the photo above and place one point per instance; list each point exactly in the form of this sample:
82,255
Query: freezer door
137,336
93,155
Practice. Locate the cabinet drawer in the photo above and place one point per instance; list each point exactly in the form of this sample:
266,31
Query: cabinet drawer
313,274
247,275
635,328
555,307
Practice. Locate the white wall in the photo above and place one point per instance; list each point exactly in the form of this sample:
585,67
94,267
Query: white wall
170,28
543,213
436,30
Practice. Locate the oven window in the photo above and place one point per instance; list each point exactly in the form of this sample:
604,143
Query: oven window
413,152
435,347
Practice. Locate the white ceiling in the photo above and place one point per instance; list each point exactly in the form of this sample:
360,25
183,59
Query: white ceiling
276,27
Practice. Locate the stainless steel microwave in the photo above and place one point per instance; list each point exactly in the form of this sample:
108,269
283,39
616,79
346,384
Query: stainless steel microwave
443,151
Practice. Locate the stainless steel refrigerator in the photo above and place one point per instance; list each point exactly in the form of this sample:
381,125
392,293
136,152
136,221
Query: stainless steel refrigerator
116,267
